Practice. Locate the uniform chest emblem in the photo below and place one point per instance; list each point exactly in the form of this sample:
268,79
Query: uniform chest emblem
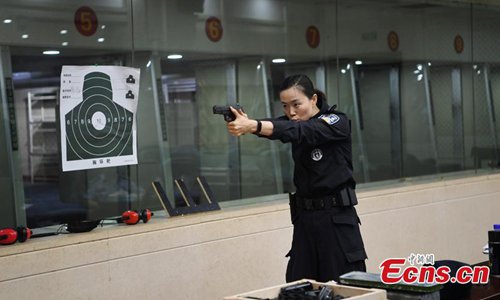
316,154
330,118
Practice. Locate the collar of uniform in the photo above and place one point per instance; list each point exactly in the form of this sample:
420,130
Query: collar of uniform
323,108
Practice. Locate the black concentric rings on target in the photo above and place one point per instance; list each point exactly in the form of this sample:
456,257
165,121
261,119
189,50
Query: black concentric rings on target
98,127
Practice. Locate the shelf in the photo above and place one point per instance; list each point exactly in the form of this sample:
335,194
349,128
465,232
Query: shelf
43,122
42,131
46,130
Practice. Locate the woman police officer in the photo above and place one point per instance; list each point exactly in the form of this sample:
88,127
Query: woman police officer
326,237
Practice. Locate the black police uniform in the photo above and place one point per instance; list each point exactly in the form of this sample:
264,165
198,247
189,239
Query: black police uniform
326,238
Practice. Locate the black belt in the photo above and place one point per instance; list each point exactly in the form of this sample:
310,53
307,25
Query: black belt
320,203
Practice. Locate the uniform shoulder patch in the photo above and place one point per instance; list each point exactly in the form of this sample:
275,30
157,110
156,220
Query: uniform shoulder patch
330,119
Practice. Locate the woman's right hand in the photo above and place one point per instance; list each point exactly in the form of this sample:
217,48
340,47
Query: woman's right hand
242,124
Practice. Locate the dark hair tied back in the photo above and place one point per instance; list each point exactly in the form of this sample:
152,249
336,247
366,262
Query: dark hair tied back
321,96
304,84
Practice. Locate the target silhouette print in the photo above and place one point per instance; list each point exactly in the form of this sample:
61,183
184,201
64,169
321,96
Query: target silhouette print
98,127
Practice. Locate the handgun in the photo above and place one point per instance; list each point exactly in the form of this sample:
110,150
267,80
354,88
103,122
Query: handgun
298,287
226,111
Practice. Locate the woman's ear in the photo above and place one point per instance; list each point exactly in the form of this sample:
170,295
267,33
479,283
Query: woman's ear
314,99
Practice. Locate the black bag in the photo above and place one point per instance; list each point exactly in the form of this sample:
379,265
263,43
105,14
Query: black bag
82,226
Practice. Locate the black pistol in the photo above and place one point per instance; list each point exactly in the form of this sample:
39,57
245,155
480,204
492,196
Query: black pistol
226,111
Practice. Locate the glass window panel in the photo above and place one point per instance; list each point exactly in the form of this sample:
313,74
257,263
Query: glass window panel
8,153
260,168
446,92
485,73
418,79
53,197
375,104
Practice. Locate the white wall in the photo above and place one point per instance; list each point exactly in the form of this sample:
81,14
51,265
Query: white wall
238,249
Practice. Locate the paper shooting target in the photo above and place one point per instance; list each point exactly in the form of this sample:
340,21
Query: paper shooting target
97,115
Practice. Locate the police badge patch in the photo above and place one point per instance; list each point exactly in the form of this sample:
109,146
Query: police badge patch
316,154
330,119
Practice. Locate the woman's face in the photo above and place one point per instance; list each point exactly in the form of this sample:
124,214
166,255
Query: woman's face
297,106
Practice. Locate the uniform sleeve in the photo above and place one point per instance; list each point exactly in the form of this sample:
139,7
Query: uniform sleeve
313,132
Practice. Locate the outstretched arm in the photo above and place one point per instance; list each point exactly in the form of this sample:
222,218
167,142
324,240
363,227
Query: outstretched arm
315,131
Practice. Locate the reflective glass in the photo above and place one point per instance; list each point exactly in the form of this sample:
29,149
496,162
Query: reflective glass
418,79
